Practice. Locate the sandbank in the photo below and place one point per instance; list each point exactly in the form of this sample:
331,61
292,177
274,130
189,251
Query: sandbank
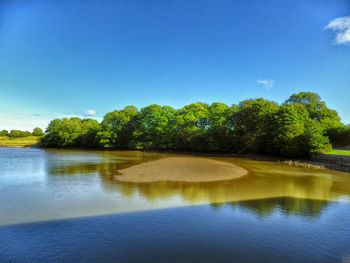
181,169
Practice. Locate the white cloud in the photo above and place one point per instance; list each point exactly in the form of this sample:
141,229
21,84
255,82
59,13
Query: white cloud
341,26
266,83
89,113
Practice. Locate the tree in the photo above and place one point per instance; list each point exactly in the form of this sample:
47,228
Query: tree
118,128
88,135
155,127
19,133
191,126
72,132
314,139
298,127
288,128
37,132
317,109
218,130
53,132
252,125
4,133
294,133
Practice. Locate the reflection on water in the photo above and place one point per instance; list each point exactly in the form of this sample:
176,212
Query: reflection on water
265,180
307,208
276,213
251,187
67,162
41,185
248,231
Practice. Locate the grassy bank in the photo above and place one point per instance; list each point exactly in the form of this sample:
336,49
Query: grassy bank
19,142
340,152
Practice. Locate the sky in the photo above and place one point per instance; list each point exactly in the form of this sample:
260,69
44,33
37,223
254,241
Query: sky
85,58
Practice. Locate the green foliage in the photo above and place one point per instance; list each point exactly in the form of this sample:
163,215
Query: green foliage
294,133
155,127
317,109
314,139
295,128
88,134
287,130
118,128
218,133
4,133
191,126
72,132
339,152
252,123
18,133
37,132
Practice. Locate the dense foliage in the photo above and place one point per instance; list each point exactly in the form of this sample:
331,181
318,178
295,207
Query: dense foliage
18,133
72,132
298,127
37,132
4,133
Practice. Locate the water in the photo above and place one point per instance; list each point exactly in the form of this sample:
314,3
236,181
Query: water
65,206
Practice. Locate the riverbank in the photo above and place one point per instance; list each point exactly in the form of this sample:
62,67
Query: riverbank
334,162
329,161
29,141
58,184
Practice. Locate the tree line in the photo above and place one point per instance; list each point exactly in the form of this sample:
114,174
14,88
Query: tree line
18,133
300,126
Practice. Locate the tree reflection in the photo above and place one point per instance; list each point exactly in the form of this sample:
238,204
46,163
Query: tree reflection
295,188
251,187
288,206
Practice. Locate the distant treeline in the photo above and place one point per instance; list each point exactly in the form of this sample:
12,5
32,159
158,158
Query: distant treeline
300,126
18,133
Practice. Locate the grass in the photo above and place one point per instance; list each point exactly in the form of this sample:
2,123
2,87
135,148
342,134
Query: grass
340,152
18,142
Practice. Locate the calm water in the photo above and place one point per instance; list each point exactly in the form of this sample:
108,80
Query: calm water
65,206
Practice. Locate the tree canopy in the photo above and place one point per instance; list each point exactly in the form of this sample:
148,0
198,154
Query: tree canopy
37,132
19,133
72,132
117,128
299,127
4,133
317,109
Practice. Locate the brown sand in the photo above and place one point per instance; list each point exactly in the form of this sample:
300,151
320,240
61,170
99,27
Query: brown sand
184,169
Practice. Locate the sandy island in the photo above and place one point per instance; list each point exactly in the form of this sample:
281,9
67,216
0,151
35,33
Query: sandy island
184,169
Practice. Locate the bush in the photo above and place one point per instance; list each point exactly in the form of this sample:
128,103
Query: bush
4,133
37,132
19,133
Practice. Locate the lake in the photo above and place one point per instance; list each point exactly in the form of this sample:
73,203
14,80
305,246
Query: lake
66,206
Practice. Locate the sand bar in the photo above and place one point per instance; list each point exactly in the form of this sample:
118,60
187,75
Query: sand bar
181,169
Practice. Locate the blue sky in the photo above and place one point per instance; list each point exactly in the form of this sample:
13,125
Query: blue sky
75,58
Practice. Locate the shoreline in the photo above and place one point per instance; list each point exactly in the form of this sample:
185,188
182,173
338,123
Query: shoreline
326,162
